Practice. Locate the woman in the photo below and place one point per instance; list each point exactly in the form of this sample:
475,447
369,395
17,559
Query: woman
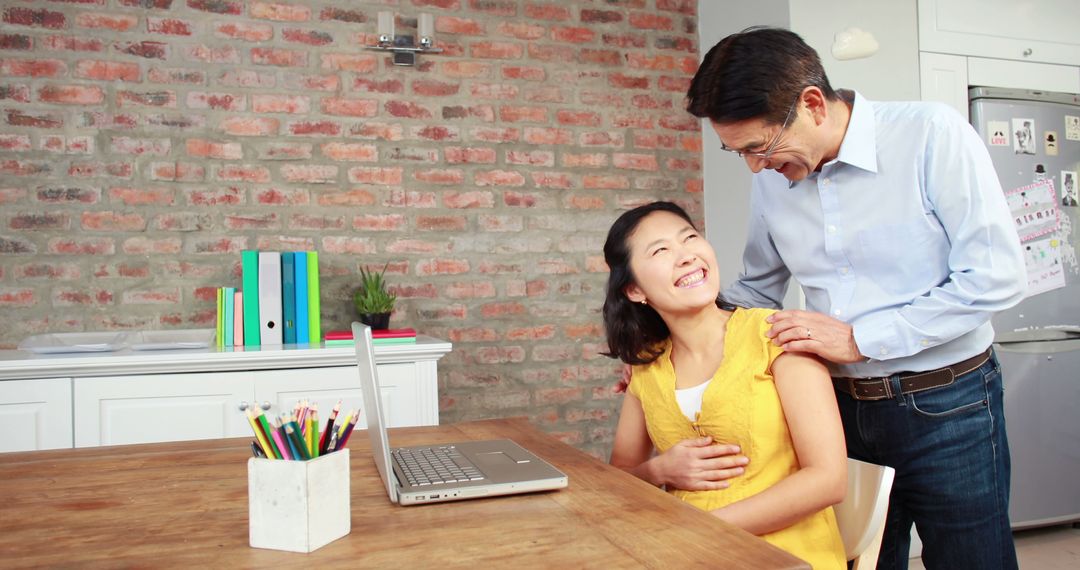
703,369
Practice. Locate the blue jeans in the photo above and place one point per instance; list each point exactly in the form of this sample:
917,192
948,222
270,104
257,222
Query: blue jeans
951,456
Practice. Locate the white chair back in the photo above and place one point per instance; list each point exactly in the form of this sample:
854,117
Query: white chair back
861,515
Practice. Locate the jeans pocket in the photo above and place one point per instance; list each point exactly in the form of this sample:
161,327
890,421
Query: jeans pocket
966,394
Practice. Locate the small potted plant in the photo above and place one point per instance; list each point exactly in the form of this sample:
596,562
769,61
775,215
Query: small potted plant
372,301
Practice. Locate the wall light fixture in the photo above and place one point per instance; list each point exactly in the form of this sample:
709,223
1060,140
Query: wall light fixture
405,47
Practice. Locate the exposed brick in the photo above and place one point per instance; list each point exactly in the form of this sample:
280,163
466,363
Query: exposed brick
314,128
348,62
284,151
521,30
16,42
84,246
207,54
308,37
250,126
280,12
452,25
32,67
246,31
168,26
243,173
293,104
279,57
378,86
113,222
19,93
310,173
34,222
114,22
216,197
540,11
176,76
231,7
407,109
148,50
349,107
651,21
552,53
165,98
71,94
352,152
375,175
343,15
600,16
142,196
41,18
306,82
496,50
282,196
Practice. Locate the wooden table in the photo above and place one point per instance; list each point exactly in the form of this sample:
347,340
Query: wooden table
185,504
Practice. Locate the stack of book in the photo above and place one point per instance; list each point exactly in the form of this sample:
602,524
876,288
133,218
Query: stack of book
384,336
278,304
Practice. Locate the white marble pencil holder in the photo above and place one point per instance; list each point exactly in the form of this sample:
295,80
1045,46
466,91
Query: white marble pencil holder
298,506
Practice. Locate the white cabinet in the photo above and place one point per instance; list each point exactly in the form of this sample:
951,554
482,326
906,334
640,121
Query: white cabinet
123,397
1035,31
35,414
149,408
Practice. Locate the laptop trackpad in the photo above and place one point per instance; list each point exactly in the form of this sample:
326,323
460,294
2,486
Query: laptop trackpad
494,459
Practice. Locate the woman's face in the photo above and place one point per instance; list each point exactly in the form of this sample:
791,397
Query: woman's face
674,267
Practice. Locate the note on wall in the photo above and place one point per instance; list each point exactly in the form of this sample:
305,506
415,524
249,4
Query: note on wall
1034,209
1044,268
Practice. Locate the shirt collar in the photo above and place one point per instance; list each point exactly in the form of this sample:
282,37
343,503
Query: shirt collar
859,148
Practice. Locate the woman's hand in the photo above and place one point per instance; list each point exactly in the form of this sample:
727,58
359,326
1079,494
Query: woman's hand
699,464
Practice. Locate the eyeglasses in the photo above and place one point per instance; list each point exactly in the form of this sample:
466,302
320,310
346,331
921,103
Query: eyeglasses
772,145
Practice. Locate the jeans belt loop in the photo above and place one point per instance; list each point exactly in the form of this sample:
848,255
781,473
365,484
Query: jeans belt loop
888,386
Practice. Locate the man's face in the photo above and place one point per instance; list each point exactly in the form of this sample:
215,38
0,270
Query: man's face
792,152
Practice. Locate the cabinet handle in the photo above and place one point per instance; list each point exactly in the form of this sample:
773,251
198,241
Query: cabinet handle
265,406
243,406
1027,52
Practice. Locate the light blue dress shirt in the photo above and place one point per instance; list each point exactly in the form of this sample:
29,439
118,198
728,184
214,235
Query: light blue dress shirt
905,235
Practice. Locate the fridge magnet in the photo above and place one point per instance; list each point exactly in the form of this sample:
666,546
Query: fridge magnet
1045,272
1024,133
999,133
1050,143
1034,209
1040,173
1068,188
1072,128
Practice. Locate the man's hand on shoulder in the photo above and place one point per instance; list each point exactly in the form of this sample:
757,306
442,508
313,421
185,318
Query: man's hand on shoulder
816,333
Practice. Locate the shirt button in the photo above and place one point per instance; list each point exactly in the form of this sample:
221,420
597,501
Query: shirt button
884,351
843,270
924,342
836,312
825,181
832,229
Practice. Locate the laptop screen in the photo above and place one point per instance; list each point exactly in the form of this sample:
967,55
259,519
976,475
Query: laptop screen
369,390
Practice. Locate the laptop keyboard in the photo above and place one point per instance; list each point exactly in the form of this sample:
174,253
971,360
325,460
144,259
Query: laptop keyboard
432,465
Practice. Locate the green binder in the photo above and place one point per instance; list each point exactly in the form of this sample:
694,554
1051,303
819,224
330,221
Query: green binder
249,265
314,320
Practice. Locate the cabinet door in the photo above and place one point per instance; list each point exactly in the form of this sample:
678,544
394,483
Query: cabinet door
944,78
1043,31
160,407
406,396
35,414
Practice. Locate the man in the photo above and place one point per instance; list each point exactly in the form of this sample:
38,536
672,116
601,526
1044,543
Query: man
891,217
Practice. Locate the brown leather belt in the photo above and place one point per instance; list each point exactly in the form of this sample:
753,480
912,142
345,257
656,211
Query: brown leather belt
881,389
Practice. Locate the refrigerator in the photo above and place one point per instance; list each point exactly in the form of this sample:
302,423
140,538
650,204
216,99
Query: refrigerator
1034,141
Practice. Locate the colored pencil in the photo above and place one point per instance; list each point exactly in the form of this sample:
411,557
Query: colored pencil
329,428
259,435
348,431
295,437
269,438
295,453
283,447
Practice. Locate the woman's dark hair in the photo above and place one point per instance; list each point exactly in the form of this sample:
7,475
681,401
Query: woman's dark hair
756,73
634,330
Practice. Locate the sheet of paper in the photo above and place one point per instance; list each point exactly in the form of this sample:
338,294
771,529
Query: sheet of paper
1044,268
1034,209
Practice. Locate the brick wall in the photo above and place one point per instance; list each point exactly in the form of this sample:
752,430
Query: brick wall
144,143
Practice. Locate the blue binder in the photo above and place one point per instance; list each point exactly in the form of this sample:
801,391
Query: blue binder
300,303
288,298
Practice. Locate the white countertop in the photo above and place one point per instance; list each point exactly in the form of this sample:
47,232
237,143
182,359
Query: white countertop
20,364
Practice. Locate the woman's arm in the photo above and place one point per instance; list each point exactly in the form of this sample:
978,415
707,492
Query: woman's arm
693,464
813,420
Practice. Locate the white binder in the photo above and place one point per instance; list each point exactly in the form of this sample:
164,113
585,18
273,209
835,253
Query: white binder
270,323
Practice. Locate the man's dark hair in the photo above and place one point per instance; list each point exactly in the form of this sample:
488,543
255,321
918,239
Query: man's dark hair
756,73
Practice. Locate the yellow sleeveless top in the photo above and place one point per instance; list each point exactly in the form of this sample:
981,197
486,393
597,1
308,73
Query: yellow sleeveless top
740,406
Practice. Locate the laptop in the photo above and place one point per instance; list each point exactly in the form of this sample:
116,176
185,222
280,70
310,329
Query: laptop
445,472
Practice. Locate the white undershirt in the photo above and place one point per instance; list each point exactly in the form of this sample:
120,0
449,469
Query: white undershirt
690,399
